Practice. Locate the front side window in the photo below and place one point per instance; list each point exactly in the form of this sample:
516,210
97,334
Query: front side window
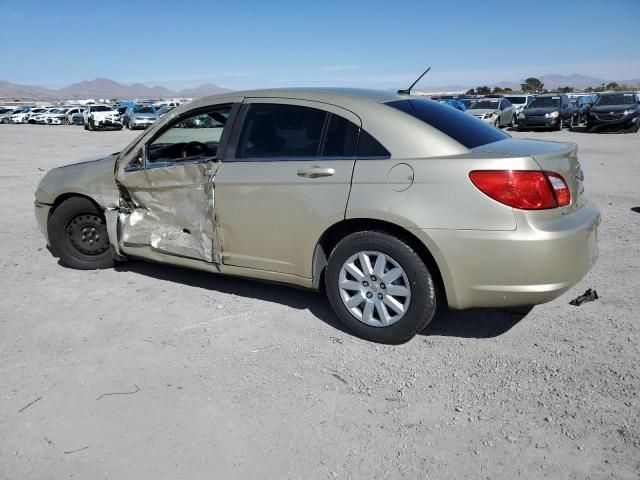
281,131
191,139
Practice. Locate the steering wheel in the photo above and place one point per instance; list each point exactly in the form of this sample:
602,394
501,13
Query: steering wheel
198,148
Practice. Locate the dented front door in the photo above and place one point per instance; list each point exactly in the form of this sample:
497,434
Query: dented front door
173,212
168,192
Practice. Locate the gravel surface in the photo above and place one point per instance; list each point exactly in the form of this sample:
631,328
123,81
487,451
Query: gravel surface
149,371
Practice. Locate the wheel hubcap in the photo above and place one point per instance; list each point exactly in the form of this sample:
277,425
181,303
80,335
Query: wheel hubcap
374,288
87,234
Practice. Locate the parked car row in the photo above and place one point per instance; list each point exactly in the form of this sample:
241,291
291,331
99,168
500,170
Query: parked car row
555,111
92,116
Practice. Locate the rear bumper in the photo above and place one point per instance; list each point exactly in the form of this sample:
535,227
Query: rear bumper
533,264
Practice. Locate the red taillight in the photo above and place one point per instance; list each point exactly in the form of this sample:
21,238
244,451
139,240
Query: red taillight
560,188
523,189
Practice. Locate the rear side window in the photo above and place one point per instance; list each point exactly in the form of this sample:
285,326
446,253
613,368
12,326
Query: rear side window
341,138
369,147
462,127
281,131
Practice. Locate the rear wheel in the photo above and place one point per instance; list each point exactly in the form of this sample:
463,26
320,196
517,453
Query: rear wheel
78,235
380,288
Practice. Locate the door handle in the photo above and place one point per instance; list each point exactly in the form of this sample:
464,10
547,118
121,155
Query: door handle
315,172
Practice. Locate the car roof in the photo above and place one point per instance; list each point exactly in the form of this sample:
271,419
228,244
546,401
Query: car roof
616,93
320,94
550,94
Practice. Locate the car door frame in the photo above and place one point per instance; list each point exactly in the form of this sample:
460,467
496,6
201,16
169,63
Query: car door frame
273,268
133,175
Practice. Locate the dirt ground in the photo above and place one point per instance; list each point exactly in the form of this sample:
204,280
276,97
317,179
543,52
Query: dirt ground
153,372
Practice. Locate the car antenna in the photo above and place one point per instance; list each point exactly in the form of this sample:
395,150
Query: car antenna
408,90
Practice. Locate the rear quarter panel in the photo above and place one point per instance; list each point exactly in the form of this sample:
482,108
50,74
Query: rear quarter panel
439,196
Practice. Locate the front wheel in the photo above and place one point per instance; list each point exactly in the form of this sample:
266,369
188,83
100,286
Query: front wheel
380,288
560,125
78,235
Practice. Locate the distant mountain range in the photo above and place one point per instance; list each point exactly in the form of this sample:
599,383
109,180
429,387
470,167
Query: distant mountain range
551,81
103,88
106,88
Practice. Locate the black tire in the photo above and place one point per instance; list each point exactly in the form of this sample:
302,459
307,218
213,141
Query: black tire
560,125
513,120
424,288
78,235
85,126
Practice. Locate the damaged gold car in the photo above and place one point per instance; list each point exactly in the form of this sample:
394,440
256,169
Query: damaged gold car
394,205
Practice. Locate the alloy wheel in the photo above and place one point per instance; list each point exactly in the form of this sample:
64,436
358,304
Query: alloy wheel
374,288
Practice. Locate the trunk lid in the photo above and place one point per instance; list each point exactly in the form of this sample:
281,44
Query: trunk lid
561,158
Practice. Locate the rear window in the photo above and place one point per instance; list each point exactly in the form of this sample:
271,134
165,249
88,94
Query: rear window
143,109
517,100
460,126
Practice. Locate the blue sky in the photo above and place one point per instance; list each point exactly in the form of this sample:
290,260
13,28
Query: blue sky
241,44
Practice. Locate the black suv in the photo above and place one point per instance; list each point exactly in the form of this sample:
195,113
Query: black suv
552,110
620,110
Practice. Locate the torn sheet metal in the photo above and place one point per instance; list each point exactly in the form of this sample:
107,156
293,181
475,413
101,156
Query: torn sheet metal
173,212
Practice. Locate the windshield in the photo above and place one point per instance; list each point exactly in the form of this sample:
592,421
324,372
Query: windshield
100,108
517,100
616,99
464,129
486,104
544,102
143,109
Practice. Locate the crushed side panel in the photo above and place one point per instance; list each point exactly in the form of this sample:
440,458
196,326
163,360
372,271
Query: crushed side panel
173,213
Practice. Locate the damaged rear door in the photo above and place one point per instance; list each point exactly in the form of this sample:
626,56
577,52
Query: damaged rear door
167,187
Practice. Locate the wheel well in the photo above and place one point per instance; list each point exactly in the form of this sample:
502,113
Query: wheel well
66,196
338,231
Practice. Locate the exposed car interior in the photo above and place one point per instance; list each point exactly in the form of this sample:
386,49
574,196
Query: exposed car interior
192,139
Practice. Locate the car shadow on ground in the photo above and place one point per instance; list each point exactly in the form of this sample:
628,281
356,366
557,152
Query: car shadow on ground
476,322
635,209
473,323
